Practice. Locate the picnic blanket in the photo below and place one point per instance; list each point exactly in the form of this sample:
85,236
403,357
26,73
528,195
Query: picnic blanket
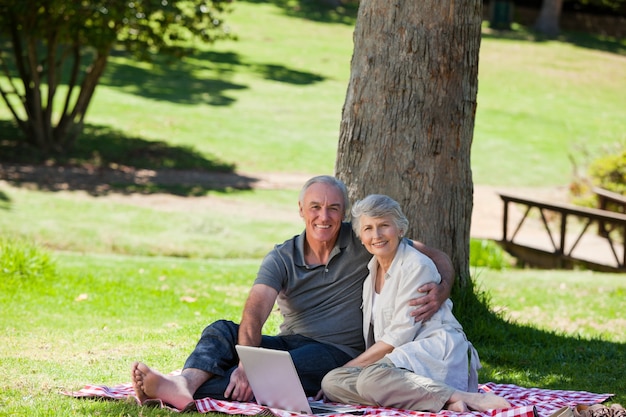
526,402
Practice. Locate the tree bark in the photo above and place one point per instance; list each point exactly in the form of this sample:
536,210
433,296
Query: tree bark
71,124
408,117
549,16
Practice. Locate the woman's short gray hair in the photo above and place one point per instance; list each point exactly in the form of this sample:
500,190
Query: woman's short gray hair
376,206
330,180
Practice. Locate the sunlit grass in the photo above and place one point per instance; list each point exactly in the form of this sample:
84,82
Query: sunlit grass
272,100
93,315
223,225
128,279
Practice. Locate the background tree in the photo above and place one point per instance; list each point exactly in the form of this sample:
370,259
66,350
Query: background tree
52,48
408,117
548,20
549,15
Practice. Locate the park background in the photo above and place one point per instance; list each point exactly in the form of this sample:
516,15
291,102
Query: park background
118,271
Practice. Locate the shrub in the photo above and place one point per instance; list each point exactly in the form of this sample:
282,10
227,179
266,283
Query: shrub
486,253
21,261
609,172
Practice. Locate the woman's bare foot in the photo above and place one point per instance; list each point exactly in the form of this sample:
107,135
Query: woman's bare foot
458,406
488,401
150,384
475,401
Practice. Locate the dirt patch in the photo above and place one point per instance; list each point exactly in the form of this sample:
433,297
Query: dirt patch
103,181
486,215
489,209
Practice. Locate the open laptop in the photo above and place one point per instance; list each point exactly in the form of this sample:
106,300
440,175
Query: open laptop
275,383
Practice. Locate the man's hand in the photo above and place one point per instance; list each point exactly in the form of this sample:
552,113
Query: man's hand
238,388
435,295
427,305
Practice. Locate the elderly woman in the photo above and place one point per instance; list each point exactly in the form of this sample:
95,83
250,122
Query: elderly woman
420,366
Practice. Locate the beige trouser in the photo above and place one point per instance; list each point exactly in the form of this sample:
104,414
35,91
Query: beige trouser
383,384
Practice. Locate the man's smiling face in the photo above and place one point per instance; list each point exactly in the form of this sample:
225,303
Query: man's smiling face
322,210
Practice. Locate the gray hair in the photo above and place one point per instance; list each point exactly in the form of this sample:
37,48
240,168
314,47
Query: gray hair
329,180
376,206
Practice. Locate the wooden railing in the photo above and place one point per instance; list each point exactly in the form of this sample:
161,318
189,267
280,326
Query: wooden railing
562,255
608,200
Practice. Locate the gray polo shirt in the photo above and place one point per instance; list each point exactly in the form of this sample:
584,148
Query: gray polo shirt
322,302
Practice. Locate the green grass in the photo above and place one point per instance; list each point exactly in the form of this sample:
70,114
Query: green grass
272,101
90,316
95,315
248,102
226,225
488,254
129,278
561,330
560,300
539,103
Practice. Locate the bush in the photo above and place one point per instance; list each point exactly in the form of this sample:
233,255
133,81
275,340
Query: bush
487,254
609,172
606,171
23,261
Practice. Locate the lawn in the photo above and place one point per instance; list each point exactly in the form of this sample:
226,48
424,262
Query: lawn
70,319
137,277
271,101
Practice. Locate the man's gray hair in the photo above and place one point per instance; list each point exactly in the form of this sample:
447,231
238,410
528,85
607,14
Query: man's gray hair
377,206
330,180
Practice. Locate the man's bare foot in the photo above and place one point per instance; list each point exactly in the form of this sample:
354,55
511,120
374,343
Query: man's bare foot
475,401
150,384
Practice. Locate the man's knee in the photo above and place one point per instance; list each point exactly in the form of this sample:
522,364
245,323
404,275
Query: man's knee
222,324
221,327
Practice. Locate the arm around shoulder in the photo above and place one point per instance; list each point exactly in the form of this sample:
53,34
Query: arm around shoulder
442,262
436,295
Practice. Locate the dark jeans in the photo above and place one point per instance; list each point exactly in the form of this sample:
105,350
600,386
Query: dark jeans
215,353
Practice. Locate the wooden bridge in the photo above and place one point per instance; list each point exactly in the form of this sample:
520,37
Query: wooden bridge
574,236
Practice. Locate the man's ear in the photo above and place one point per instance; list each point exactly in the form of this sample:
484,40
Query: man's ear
300,210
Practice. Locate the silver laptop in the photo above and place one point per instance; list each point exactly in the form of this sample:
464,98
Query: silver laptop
275,383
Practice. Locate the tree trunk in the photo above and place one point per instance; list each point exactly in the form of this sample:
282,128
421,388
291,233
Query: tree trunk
549,16
71,124
408,117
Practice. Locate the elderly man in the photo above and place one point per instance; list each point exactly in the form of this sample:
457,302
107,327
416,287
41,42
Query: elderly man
316,278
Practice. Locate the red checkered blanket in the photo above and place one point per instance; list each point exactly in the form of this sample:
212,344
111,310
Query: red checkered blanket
526,402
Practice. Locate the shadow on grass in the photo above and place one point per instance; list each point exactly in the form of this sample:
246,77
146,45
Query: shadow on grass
200,78
523,355
583,40
317,10
5,201
105,160
323,11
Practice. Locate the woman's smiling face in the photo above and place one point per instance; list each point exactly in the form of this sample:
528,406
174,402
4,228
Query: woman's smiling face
380,235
